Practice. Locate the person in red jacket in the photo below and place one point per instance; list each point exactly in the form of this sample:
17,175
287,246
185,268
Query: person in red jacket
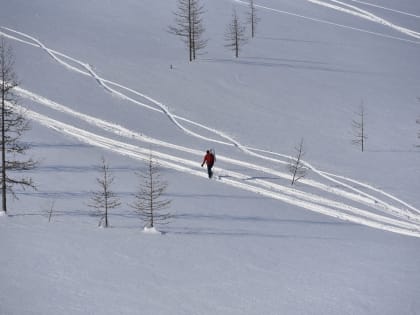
209,160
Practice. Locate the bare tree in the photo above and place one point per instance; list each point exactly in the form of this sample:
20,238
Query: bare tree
198,40
359,130
104,199
296,166
149,202
189,26
253,19
235,35
13,125
418,121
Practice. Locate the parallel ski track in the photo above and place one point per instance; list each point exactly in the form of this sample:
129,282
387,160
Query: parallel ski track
304,200
354,10
359,196
124,132
385,8
367,15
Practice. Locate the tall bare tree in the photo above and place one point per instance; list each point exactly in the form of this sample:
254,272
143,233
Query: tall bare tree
198,40
189,26
104,199
359,129
296,166
235,35
13,125
418,121
149,202
253,19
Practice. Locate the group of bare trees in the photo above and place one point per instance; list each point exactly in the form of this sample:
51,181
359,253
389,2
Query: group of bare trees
189,26
235,35
13,124
148,202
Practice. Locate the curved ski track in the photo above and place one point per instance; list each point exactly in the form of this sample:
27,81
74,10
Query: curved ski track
404,219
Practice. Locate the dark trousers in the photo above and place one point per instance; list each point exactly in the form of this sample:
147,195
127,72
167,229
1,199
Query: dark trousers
209,166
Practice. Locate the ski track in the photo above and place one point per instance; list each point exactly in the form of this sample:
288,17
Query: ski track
251,151
248,150
354,10
315,203
291,193
121,131
385,8
317,20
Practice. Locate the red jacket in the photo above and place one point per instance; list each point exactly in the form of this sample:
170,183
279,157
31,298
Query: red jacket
208,159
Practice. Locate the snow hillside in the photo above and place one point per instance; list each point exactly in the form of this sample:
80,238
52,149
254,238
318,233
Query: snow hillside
105,79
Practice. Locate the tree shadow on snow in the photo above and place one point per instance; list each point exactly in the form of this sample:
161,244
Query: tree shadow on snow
212,196
285,63
257,219
41,145
242,233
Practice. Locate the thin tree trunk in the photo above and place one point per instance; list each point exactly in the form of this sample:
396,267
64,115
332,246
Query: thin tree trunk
363,131
190,29
236,41
152,221
3,148
252,22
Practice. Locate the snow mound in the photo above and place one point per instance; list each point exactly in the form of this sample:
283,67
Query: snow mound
151,230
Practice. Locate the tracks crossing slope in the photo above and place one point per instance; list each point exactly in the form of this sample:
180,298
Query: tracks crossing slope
399,217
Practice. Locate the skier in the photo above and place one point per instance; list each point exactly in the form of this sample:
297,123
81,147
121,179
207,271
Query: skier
209,160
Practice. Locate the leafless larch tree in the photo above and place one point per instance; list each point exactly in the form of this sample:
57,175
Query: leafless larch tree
418,122
13,125
189,26
359,129
149,202
235,35
253,19
104,199
296,166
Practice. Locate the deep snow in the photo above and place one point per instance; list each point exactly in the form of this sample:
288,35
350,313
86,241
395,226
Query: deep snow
96,80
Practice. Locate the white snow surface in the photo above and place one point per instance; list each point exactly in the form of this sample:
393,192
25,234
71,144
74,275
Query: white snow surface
151,230
105,78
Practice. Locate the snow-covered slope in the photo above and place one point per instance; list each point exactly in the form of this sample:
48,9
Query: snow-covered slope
100,78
